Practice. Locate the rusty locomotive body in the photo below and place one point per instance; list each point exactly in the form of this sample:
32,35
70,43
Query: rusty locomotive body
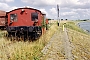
2,19
24,23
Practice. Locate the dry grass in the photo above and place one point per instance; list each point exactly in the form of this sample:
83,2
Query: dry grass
80,42
14,50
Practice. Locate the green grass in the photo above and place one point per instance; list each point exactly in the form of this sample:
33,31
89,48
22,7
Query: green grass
72,25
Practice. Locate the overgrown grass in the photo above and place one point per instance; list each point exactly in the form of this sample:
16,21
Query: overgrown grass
2,33
80,43
72,25
79,40
14,50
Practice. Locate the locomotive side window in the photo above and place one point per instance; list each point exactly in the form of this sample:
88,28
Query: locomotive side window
13,17
34,16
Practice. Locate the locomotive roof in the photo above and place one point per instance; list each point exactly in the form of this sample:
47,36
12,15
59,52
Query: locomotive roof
25,8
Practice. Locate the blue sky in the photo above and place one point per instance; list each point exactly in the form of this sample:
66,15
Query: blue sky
69,9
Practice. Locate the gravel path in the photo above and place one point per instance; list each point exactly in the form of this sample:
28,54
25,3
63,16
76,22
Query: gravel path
67,46
58,48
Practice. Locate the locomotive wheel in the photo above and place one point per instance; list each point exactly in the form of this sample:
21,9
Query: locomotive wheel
35,35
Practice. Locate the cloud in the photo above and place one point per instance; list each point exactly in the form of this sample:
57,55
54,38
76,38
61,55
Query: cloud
4,6
44,11
7,7
50,13
12,8
6,1
83,4
70,9
46,3
53,11
69,13
40,3
75,13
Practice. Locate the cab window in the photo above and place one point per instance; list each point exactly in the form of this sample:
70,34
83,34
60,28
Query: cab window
34,16
13,17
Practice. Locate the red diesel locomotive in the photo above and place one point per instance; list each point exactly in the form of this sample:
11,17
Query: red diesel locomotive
25,23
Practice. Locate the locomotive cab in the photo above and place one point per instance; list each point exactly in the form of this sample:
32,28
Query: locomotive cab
24,22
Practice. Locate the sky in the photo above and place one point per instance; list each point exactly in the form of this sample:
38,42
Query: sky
69,9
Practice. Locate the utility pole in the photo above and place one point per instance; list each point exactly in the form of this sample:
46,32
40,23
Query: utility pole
58,15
